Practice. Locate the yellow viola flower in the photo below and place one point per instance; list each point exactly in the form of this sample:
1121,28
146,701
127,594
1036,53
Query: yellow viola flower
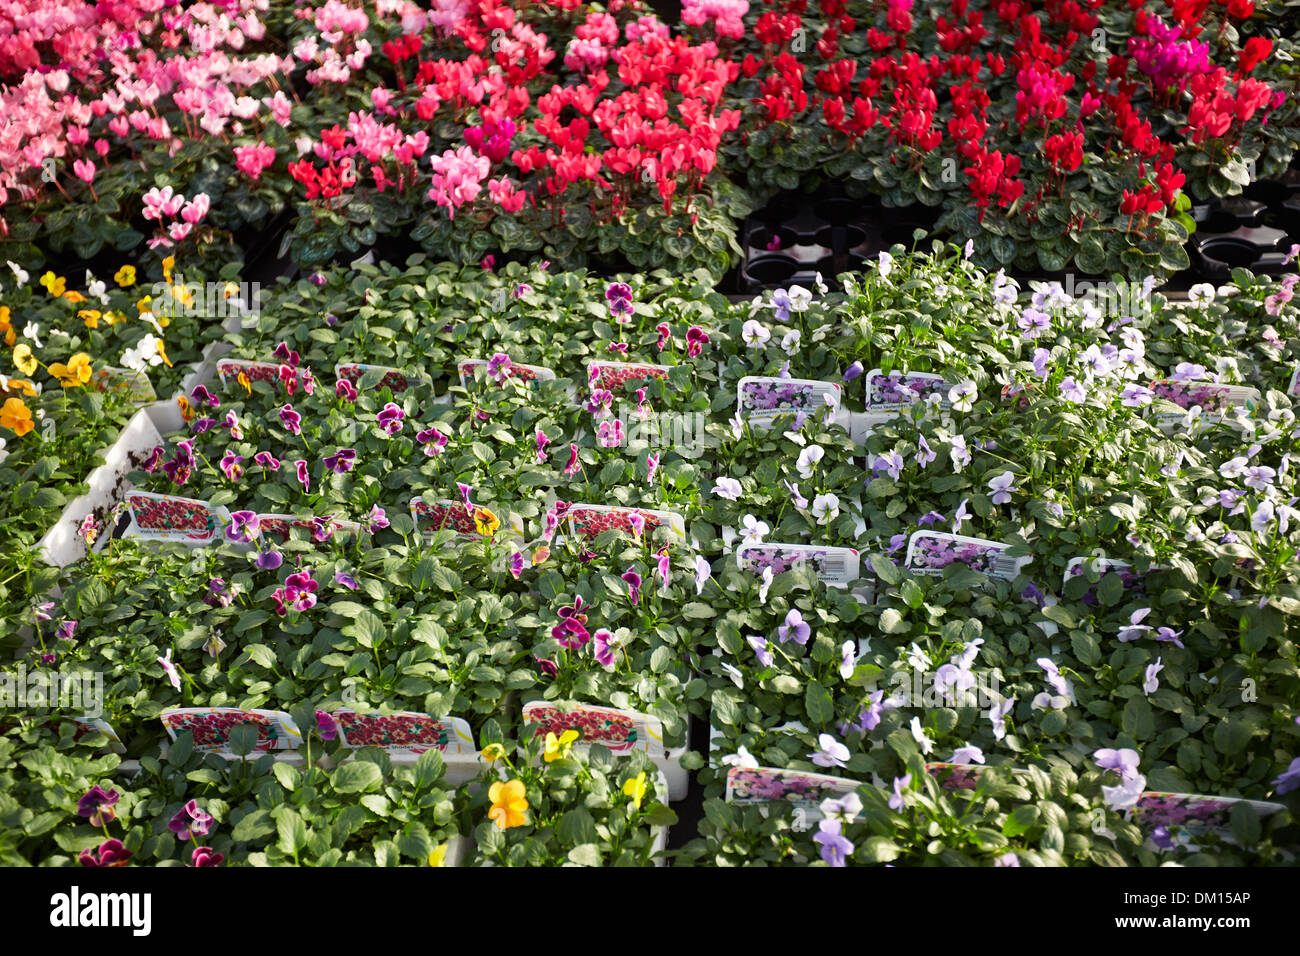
635,787
20,385
72,295
125,277
54,285
509,804
75,374
16,416
243,380
187,410
167,268
485,521
560,746
112,318
492,752
230,289
90,317
438,855
6,326
142,305
24,361
162,352
181,294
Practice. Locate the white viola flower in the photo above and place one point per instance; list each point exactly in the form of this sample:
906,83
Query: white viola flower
1263,516
848,659
1260,477
728,488
807,459
3,453
1126,795
1045,701
790,341
998,717
921,737
765,582
826,507
1200,293
885,265
1001,486
741,758
19,272
1133,339
962,396
918,659
736,677
822,287
1150,680
1135,396
1092,315
33,331
753,529
958,453
737,426
799,298
756,306
1234,468
96,289
755,334
1072,391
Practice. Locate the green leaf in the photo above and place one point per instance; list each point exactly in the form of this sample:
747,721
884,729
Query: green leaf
586,854
357,776
818,703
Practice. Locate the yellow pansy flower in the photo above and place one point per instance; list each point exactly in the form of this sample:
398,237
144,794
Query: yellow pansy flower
243,380
142,305
112,318
560,746
24,361
162,352
54,285
6,326
635,787
485,521
125,277
509,804
75,374
72,295
438,855
167,268
90,317
492,752
16,416
8,385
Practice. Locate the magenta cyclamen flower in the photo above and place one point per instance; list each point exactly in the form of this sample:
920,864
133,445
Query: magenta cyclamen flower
190,821
303,477
390,418
341,461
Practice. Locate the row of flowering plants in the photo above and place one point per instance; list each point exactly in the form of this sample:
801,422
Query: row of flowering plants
188,129
1054,428
1075,133
581,134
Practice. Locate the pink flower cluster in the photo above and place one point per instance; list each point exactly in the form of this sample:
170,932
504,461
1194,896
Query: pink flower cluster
727,16
457,178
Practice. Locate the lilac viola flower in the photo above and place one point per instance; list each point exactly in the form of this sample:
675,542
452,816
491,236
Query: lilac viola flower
66,630
760,646
1124,761
1289,779
853,371
346,580
967,755
202,396
499,366
1135,628
796,496
516,564
960,516
377,519
1169,635
269,560
832,752
899,800
703,571
1151,682
835,847
202,425
1001,486
390,418
795,628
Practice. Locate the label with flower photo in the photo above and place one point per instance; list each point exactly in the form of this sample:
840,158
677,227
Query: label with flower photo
229,370
171,518
898,390
467,369
623,376
394,379
760,400
133,382
406,732
929,552
475,521
1193,814
962,776
588,521
622,731
748,786
211,727
835,567
280,527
